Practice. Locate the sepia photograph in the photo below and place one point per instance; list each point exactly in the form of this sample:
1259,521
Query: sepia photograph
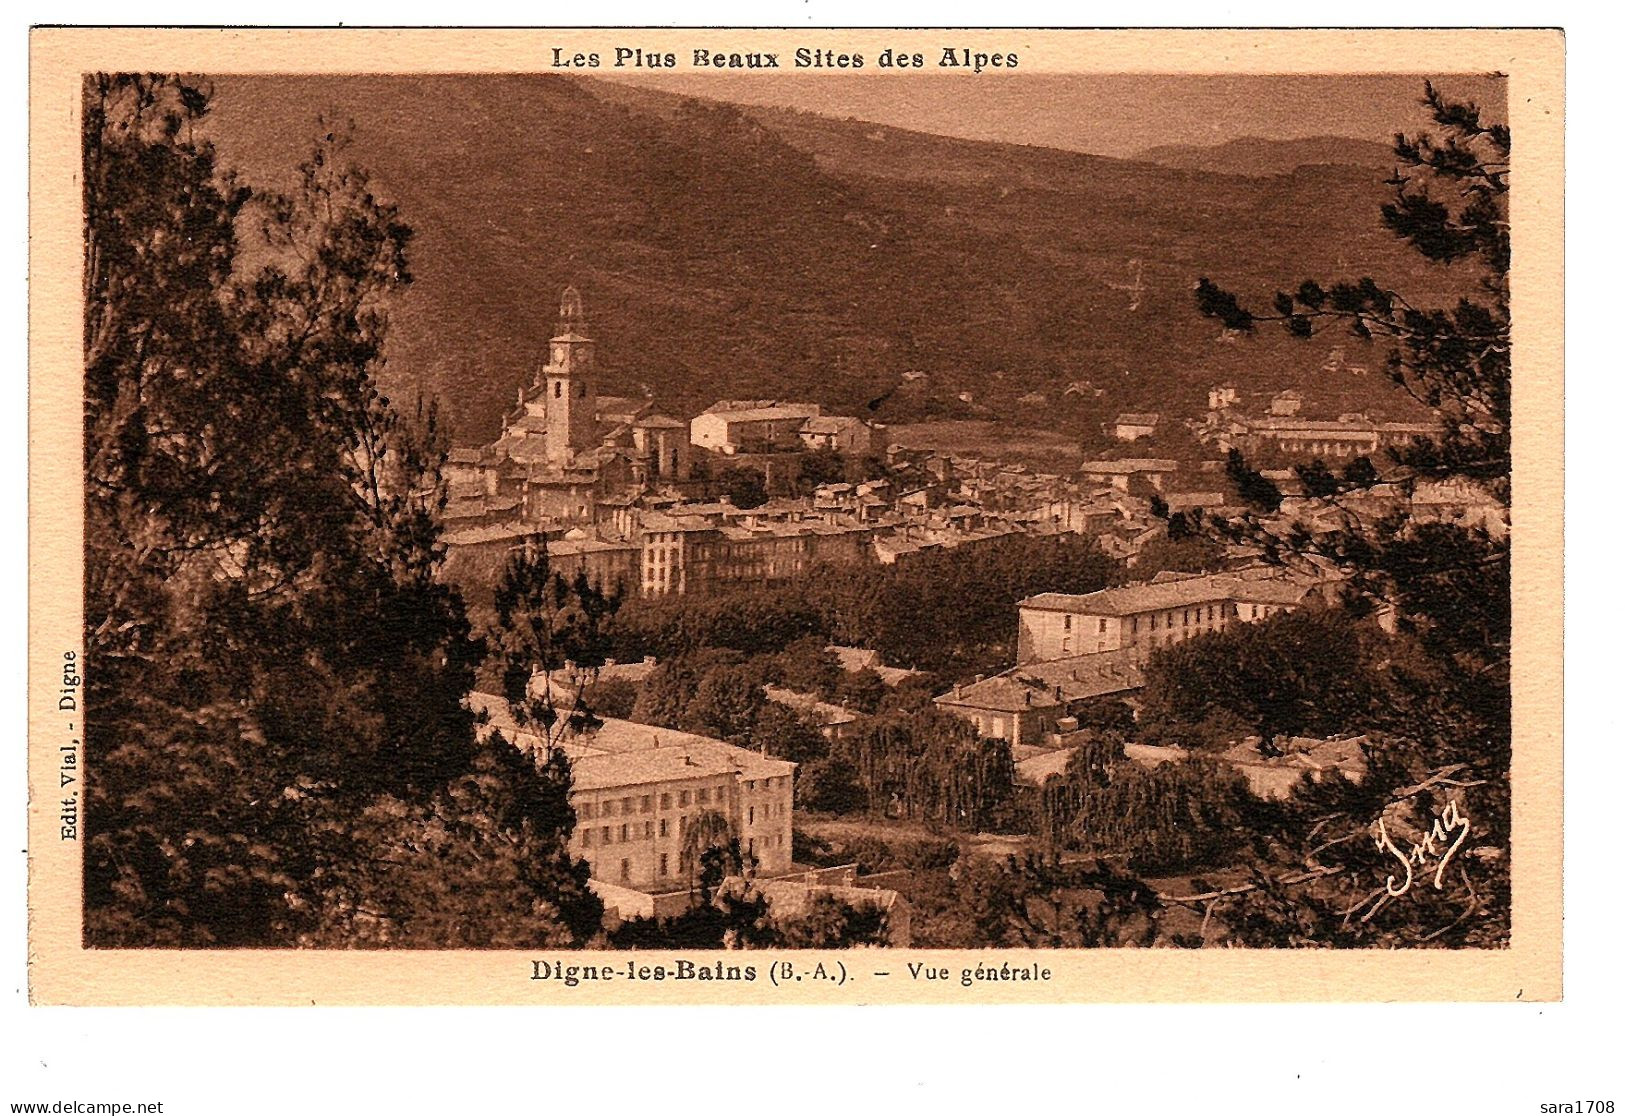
700,498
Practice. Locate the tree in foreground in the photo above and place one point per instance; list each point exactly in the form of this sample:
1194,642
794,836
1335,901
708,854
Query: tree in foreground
1442,754
278,750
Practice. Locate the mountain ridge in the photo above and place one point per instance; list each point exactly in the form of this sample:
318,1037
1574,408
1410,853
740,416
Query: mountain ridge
739,252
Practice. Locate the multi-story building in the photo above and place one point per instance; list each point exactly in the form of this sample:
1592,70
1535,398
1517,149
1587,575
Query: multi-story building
732,429
1283,430
1138,618
841,433
638,790
1026,702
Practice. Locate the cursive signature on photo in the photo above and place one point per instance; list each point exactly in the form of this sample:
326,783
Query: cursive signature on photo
1449,831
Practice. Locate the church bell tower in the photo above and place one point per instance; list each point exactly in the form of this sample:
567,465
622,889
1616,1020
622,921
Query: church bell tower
567,385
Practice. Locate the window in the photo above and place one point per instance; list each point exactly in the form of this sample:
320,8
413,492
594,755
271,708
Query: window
750,847
586,838
605,832
704,795
750,816
750,784
664,828
647,804
1066,622
665,802
1134,625
626,805
586,811
558,389
1102,624
623,833
682,798
665,867
609,808
1187,620
626,869
648,830
1153,623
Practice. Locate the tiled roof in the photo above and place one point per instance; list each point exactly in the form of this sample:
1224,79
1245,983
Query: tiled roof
1032,771
1131,465
1128,600
625,754
767,414
1045,685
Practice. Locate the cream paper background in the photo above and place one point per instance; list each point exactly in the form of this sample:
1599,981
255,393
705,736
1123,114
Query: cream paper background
60,971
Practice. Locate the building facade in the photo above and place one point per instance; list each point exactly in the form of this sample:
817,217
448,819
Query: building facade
1138,618
638,790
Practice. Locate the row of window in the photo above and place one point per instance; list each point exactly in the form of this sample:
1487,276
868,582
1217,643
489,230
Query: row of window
1066,623
631,831
1187,616
644,804
769,810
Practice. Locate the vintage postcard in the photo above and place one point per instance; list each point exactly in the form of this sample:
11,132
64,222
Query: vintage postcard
792,516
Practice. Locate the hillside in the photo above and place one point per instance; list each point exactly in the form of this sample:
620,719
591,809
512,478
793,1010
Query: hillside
760,253
1255,157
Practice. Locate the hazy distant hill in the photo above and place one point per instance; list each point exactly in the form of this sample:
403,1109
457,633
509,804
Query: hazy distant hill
1257,157
726,252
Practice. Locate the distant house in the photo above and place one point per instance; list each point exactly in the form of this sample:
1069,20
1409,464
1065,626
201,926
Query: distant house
855,659
1024,703
733,430
1131,425
832,721
1126,473
841,433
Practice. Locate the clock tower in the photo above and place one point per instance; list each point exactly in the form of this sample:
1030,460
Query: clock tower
567,385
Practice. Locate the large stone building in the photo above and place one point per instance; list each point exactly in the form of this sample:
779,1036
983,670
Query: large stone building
638,789
1136,618
734,427
1282,430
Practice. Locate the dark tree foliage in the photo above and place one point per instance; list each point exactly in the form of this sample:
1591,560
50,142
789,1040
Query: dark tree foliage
949,611
831,785
780,731
739,917
731,920
946,612
807,666
744,486
1186,552
277,735
1255,490
820,467
828,922
1296,673
860,690
727,704
931,766
1172,817
547,643
1445,692
1034,902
